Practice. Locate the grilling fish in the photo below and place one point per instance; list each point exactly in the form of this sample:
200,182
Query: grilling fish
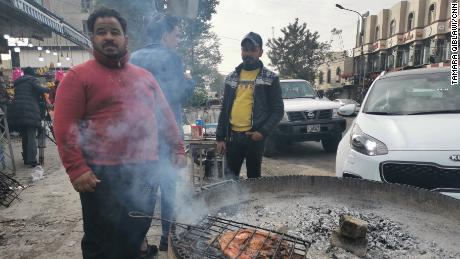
247,243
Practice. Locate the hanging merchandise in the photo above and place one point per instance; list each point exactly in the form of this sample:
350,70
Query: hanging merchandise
59,74
17,73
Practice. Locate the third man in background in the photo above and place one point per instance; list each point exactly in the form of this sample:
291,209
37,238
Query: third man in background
252,107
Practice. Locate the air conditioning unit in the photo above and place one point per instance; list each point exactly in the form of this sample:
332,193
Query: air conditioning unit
183,8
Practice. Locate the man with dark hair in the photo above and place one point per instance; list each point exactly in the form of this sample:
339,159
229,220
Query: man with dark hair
251,109
161,59
25,113
107,131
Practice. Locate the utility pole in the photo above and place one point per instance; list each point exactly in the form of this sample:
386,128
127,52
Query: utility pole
361,39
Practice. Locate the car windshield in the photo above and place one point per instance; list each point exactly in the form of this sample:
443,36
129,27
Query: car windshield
300,89
414,94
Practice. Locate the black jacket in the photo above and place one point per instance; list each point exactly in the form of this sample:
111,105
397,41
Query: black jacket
25,109
268,107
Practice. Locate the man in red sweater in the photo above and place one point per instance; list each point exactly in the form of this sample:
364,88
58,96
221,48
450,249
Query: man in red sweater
109,115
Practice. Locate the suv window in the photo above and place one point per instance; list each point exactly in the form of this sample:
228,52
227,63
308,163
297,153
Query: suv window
414,94
300,89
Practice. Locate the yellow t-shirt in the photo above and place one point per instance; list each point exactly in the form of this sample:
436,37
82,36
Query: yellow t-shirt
241,116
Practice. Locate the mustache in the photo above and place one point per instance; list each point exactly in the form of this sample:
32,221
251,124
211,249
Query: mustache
109,44
247,58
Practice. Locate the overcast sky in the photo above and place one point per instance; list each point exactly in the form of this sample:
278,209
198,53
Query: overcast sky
235,18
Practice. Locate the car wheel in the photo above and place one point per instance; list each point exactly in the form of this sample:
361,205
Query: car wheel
330,144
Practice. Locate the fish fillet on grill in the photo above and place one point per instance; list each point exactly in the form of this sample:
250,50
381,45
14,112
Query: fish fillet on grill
233,242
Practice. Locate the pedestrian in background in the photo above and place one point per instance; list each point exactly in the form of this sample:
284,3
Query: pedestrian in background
161,59
26,112
107,131
251,109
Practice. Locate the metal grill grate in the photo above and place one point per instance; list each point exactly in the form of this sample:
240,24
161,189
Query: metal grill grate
324,114
295,116
9,189
202,241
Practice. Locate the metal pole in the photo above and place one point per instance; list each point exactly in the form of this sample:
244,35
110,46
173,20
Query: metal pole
361,37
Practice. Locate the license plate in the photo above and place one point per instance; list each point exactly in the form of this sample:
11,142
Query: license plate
313,128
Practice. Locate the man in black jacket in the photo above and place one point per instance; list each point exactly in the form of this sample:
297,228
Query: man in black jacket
252,107
25,113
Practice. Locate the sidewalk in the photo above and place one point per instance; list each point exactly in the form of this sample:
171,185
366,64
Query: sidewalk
46,221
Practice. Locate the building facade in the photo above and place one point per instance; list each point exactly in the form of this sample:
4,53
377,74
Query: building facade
334,74
410,33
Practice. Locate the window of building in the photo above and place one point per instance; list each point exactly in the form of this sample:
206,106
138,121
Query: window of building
392,28
338,72
85,27
85,6
410,22
391,61
383,58
328,76
321,77
418,54
426,51
377,33
447,51
376,63
431,14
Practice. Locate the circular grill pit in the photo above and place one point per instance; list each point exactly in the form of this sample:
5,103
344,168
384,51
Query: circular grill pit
295,216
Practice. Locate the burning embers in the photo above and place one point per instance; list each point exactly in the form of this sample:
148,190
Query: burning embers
215,237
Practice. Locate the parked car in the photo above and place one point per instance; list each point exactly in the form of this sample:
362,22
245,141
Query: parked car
407,132
306,118
349,101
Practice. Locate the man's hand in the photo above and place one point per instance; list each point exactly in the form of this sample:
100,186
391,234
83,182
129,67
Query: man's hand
180,161
86,182
255,135
220,147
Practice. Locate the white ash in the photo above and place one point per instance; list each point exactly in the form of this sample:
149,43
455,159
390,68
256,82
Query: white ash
387,239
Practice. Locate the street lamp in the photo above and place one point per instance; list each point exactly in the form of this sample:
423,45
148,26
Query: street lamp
361,36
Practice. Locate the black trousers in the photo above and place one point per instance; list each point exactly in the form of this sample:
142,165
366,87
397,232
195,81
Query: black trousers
168,184
239,148
29,144
109,232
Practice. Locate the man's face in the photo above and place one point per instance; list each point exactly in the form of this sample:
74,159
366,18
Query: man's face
108,37
171,39
250,52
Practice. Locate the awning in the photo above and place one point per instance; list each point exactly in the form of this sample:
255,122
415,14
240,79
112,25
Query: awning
27,19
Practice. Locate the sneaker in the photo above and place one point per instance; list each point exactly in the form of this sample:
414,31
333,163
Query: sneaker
163,247
163,244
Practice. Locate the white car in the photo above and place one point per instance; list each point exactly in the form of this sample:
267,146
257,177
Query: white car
408,132
306,118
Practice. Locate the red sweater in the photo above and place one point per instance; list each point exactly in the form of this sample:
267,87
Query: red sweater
109,113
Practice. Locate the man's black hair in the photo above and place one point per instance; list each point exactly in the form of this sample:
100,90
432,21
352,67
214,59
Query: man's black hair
105,12
28,71
159,25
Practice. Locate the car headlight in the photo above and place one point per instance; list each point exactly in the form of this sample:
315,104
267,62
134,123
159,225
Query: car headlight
285,118
366,144
335,113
